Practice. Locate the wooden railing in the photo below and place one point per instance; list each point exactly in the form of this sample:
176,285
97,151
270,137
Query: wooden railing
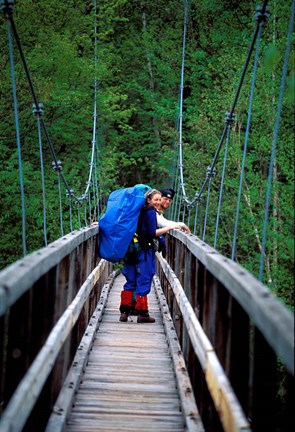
236,337
46,302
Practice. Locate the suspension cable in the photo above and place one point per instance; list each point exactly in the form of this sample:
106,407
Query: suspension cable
70,195
229,120
91,177
58,168
10,18
7,8
37,112
261,20
211,174
274,143
60,206
198,203
79,217
17,130
180,161
263,11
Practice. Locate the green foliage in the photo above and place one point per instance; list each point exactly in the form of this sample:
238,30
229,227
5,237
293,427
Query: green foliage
138,66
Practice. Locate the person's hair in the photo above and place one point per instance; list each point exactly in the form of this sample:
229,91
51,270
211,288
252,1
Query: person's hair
149,194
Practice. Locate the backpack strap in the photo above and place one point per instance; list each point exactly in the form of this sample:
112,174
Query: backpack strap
146,241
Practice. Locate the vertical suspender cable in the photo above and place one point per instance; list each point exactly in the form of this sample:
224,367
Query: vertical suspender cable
262,10
96,178
183,214
36,101
274,143
58,167
7,9
17,140
233,252
60,205
189,216
175,201
210,174
85,212
178,210
97,184
196,217
180,161
71,211
198,198
89,206
94,198
79,218
38,112
221,187
91,177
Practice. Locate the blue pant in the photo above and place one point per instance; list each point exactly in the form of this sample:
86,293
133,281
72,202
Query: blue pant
139,276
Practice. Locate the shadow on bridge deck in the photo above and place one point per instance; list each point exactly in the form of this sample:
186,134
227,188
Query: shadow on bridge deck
130,382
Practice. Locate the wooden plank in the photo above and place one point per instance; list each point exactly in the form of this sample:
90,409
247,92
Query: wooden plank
127,423
17,278
26,394
121,395
129,380
269,314
158,404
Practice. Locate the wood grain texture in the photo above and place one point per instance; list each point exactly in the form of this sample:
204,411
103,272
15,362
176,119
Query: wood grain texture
19,277
129,382
225,400
269,314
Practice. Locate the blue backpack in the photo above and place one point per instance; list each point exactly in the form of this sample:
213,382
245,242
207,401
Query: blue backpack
118,224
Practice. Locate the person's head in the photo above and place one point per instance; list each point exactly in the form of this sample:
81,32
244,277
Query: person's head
153,198
167,197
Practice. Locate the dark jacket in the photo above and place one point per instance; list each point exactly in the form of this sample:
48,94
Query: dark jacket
146,228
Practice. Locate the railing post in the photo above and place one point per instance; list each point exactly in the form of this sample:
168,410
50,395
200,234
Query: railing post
264,381
237,360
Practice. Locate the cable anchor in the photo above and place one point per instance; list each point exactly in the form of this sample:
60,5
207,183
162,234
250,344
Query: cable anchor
70,193
7,7
230,118
82,198
38,110
57,166
262,13
211,172
198,198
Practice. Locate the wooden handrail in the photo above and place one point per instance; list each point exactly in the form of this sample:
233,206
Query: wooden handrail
29,389
269,314
225,400
223,312
19,277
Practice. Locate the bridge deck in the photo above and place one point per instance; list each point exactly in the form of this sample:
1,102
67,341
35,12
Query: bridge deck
129,383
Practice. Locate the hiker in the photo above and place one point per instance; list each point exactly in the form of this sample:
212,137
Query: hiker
139,273
166,200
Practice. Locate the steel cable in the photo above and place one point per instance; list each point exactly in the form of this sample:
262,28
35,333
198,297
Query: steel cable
274,143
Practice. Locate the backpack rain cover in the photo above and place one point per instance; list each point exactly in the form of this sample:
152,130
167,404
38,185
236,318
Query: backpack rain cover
118,224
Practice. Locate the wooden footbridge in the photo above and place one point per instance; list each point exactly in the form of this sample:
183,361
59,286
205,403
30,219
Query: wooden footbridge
218,356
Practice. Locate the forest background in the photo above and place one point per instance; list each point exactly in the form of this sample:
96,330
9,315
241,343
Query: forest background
137,67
